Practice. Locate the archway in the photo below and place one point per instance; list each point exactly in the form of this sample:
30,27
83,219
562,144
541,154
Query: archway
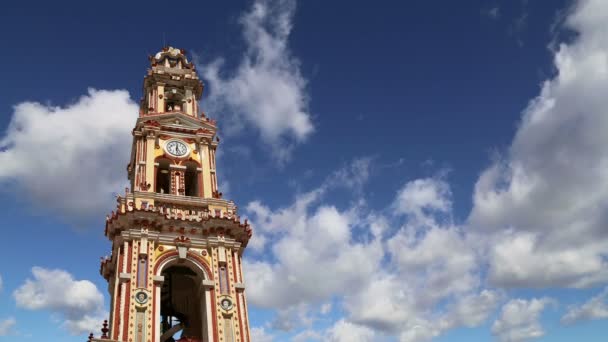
182,302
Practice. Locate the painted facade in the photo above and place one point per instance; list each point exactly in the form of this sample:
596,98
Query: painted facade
177,245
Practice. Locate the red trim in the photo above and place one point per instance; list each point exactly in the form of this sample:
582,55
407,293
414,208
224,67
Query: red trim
153,313
192,160
116,297
111,231
240,316
170,159
213,309
235,272
228,282
127,297
233,267
190,255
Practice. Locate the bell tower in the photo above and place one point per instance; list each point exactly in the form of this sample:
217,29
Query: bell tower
174,273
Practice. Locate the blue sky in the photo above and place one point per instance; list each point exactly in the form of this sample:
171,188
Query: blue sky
414,171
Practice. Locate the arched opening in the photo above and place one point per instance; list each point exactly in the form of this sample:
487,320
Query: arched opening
163,177
182,304
191,179
174,100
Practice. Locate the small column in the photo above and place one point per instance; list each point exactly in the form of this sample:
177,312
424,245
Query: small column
189,104
161,97
206,175
158,284
208,286
149,155
124,278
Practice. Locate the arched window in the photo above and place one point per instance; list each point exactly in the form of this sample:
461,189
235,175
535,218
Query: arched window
163,177
174,100
191,179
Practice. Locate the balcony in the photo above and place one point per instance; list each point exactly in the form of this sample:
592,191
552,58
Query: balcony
184,200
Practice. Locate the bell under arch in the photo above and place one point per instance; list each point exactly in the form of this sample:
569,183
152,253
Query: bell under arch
183,302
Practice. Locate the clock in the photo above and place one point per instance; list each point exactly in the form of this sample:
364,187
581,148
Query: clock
176,148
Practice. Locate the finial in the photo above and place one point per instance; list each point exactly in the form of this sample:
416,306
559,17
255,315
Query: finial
104,330
90,337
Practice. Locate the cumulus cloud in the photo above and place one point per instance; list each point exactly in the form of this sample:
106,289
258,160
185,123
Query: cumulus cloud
352,176
344,331
422,196
267,91
519,320
325,238
594,308
292,317
426,287
426,263
538,220
307,336
472,310
260,334
7,325
519,259
77,302
381,295
551,187
267,223
69,159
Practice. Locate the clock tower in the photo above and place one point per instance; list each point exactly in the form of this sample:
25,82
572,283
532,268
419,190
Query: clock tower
175,272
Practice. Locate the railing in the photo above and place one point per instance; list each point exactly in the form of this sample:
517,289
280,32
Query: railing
185,200
178,207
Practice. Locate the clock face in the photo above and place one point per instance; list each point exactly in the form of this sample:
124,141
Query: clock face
177,148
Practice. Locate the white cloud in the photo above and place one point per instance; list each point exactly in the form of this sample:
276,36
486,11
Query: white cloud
427,265
6,326
259,334
344,331
292,317
472,310
538,220
352,176
594,308
325,308
422,196
519,320
518,259
410,272
78,302
551,189
323,239
383,294
266,222
70,159
267,90
307,336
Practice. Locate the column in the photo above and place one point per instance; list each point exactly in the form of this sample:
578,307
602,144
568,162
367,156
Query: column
208,286
161,98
